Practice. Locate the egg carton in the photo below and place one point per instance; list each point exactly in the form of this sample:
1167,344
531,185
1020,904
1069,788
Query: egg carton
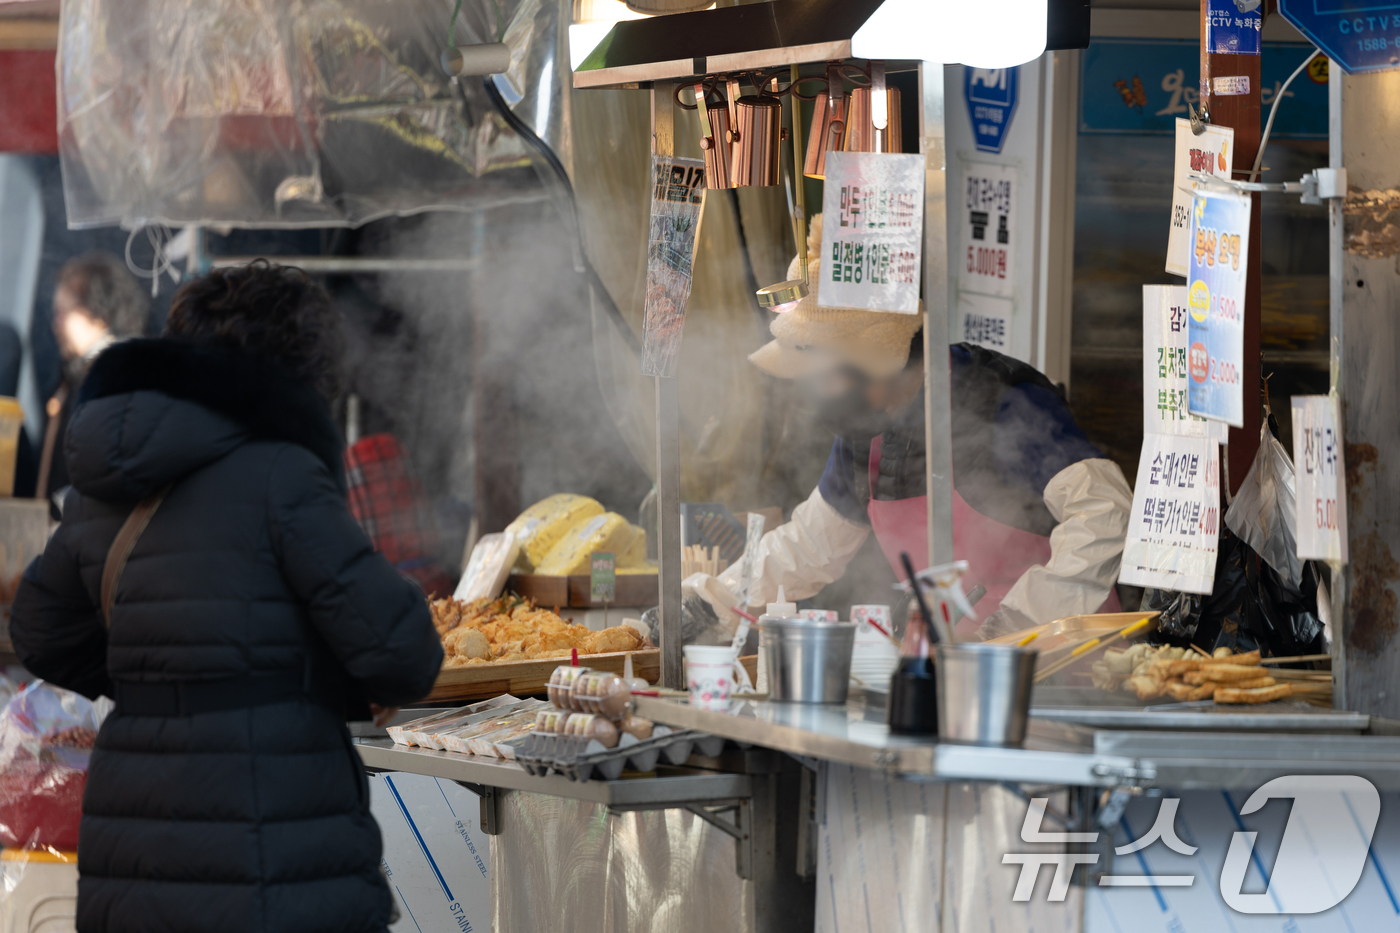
581,758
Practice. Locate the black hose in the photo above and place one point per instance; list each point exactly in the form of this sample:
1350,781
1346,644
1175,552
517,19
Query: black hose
744,246
571,213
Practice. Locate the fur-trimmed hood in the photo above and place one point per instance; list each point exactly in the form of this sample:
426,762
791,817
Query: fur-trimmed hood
152,411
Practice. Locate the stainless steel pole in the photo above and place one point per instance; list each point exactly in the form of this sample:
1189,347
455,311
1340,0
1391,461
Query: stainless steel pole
938,414
668,450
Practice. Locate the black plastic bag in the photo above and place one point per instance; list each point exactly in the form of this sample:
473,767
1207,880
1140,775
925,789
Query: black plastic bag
1250,606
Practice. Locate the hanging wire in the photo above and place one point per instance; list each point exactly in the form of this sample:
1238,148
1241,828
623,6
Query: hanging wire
1273,109
159,237
452,24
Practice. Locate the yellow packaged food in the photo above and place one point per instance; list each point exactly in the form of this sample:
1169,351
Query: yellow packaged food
635,555
606,532
542,525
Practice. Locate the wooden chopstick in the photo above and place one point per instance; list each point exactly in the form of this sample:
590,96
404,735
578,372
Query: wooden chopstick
1304,657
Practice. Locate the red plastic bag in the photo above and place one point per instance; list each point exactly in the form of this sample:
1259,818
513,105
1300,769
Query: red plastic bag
46,737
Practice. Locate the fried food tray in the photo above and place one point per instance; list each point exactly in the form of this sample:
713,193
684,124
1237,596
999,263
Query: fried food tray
523,678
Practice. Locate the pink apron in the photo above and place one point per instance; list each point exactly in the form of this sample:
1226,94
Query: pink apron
997,554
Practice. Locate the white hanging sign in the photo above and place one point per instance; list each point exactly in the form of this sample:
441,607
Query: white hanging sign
1165,366
985,321
1320,484
988,263
1174,530
872,234
1211,153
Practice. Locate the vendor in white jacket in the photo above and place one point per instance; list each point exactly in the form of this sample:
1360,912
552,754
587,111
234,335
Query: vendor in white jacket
1038,512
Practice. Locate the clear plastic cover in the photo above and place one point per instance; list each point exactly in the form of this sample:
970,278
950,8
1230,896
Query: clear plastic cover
295,114
46,738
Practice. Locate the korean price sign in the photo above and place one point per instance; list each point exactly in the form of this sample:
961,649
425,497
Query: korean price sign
677,200
985,321
873,231
602,572
1320,478
1165,367
988,225
1215,306
1211,153
1174,529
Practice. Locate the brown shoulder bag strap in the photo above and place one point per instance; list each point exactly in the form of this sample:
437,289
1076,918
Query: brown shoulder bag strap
122,547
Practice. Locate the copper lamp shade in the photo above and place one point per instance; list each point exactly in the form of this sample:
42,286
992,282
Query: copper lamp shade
861,133
756,136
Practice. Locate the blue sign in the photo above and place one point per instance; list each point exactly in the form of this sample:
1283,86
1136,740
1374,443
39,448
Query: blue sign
1219,247
991,103
1143,85
1235,27
1359,35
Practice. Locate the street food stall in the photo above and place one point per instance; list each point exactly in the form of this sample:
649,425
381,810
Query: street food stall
1089,760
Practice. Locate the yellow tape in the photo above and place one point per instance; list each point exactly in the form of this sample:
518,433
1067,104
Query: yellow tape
1028,639
37,855
1087,646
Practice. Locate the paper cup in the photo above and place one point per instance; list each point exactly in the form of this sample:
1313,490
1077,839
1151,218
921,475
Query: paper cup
710,675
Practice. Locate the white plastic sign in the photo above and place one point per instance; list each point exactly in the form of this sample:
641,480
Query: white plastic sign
1211,153
1165,366
872,233
1320,486
985,321
1174,530
988,224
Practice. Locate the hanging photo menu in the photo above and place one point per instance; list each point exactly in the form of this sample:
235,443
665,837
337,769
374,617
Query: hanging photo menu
872,232
1215,306
1165,370
677,200
1174,529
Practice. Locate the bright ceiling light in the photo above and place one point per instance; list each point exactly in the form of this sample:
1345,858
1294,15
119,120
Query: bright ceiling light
595,19
989,34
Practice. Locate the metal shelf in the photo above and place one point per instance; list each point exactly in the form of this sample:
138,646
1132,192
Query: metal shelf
1054,752
674,789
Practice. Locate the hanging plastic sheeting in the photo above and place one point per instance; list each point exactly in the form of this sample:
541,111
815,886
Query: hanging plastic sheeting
295,113
1264,510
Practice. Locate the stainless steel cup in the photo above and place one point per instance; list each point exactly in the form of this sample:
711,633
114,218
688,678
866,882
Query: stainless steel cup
808,661
984,693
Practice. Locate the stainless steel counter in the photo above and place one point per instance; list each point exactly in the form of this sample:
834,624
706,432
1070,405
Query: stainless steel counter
678,787
1061,752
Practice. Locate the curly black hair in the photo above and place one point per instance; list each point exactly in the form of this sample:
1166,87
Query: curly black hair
276,312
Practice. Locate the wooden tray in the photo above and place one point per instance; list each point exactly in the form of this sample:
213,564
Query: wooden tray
633,589
522,678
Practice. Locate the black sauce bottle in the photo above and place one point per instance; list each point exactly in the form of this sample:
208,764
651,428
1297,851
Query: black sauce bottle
913,703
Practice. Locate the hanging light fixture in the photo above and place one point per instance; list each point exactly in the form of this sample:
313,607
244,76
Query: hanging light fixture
828,123
989,34
872,117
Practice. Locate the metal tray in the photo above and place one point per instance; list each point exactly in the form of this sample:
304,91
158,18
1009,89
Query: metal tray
1281,716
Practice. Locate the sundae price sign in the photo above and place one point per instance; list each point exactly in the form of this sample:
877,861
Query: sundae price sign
1174,529
1215,306
1319,486
874,208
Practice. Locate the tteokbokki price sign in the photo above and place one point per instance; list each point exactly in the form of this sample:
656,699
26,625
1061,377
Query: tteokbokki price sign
1174,530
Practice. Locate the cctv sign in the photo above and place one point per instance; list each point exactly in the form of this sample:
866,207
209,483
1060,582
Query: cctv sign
991,103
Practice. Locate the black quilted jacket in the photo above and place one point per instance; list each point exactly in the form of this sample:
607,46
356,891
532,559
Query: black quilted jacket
244,819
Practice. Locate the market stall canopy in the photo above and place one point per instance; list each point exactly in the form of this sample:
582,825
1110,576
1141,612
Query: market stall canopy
782,32
307,113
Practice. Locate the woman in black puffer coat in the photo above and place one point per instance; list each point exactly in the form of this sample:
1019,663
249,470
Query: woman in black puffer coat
252,619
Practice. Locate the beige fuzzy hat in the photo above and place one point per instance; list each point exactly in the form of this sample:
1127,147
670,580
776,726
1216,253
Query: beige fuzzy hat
810,339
